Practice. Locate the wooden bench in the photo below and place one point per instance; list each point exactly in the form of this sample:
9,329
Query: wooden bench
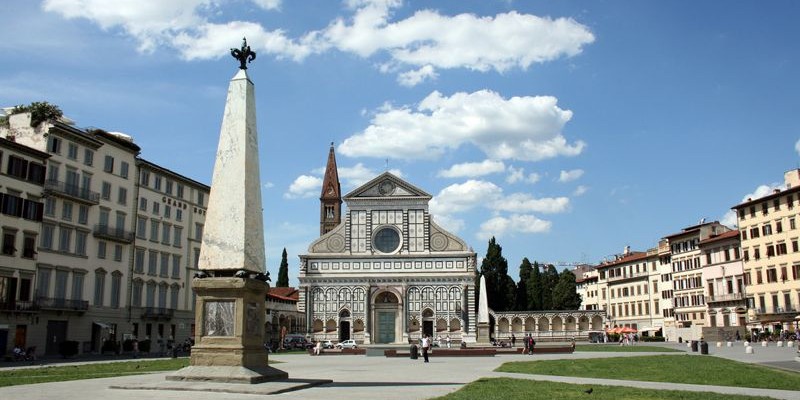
439,352
339,352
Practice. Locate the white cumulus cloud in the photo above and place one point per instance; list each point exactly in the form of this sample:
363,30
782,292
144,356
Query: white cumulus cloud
568,176
518,223
522,128
419,45
303,187
524,203
461,197
472,170
518,175
580,190
415,77
268,4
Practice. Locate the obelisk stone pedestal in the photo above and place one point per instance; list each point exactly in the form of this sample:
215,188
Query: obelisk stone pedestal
230,317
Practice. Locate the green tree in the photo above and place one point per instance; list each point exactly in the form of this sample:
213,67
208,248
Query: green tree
502,291
283,272
549,281
522,286
565,294
535,288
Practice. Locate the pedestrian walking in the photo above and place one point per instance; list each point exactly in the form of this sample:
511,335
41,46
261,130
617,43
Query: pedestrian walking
526,343
135,348
426,343
513,340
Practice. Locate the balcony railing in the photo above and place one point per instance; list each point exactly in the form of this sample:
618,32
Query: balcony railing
629,276
49,303
73,191
791,309
19,306
116,234
725,297
157,313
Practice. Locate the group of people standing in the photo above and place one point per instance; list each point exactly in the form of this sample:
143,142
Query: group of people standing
529,343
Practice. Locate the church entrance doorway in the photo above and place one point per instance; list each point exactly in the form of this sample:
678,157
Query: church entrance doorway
427,322
386,312
427,328
344,330
386,326
344,325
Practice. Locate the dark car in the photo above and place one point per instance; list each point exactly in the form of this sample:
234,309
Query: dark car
297,342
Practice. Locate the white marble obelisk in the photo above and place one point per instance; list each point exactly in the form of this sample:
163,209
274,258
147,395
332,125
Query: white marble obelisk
483,315
231,292
233,236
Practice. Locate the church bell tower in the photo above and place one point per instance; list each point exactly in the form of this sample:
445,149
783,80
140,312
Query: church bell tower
331,198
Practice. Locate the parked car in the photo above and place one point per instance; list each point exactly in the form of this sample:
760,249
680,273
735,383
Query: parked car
296,342
347,344
327,344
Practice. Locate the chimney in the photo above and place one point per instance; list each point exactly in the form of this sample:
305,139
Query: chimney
792,178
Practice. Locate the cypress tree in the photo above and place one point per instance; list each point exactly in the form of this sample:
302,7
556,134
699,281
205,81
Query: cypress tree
565,294
283,272
549,281
535,288
502,292
522,286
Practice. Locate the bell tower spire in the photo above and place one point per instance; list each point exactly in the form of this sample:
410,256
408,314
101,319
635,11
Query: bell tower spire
331,198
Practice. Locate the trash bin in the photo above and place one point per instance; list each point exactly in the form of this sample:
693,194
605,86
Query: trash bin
694,346
703,347
414,352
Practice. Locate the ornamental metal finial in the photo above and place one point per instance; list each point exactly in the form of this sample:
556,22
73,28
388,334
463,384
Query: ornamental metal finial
244,55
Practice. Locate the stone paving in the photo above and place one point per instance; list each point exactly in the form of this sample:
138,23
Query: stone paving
361,377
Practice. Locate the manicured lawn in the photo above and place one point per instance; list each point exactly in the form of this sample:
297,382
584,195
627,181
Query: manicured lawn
87,371
625,349
702,370
512,389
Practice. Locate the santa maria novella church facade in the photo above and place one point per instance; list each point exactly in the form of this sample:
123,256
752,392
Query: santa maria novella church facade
383,271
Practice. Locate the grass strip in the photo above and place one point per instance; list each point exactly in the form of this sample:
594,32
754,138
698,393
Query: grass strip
88,371
693,369
625,349
512,389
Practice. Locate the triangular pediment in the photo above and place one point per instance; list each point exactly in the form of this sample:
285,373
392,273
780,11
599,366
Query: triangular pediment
387,185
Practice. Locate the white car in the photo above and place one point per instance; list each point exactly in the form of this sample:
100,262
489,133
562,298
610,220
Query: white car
327,344
347,344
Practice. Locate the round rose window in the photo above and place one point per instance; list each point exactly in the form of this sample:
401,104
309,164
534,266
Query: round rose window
387,240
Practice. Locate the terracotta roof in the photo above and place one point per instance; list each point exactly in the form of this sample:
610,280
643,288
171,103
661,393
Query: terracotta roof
633,256
284,293
721,236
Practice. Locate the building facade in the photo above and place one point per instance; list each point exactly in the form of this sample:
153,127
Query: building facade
687,274
388,273
629,290
88,240
22,171
169,225
723,275
771,256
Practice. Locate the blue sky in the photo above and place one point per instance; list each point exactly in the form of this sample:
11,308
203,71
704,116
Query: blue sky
566,129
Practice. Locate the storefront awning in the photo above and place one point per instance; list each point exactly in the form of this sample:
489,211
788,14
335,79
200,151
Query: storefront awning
102,325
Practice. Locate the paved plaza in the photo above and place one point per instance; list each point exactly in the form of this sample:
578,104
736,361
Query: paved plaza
361,377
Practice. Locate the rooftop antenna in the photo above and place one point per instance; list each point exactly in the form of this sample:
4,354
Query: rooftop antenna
387,164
